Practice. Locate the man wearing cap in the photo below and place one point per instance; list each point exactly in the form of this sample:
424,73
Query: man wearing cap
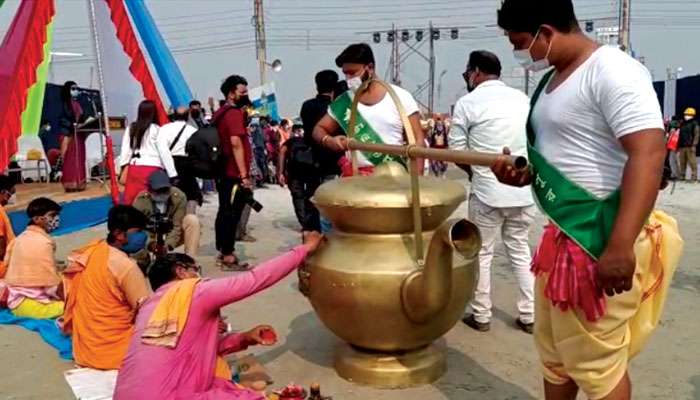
687,143
169,201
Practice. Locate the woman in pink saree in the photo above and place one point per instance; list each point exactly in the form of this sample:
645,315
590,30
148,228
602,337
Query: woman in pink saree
177,347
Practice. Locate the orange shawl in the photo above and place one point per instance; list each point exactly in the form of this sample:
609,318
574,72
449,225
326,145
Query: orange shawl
167,322
30,260
97,313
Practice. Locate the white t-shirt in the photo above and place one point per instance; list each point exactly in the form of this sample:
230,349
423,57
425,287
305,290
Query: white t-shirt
579,124
384,117
170,131
154,151
492,117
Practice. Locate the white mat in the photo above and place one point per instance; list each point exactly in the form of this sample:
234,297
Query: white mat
91,384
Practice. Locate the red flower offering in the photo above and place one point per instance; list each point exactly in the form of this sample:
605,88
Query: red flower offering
268,335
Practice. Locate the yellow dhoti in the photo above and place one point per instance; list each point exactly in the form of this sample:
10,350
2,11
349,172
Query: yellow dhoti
595,355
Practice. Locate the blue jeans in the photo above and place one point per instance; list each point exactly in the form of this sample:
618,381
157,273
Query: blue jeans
326,225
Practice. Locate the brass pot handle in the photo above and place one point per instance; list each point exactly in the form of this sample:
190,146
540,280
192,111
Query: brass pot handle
411,137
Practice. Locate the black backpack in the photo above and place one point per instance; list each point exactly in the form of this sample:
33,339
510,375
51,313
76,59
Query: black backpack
204,157
300,159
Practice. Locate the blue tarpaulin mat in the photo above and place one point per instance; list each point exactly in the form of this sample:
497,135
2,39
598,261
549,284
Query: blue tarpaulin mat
75,216
47,328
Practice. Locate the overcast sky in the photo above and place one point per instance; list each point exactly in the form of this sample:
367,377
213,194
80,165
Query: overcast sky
211,39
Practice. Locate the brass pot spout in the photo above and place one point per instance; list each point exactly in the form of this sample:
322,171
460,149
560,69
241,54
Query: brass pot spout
428,290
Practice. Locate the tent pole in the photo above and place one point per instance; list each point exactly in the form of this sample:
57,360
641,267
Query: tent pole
103,98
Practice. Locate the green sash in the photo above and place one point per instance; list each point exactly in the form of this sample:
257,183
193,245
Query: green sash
364,132
582,216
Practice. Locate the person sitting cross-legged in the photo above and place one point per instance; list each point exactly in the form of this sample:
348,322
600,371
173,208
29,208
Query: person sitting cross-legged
104,288
34,287
177,345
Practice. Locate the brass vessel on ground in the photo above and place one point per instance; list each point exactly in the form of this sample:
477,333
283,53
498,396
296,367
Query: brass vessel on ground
394,276
368,287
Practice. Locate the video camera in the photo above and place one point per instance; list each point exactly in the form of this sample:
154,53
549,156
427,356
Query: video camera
161,225
249,199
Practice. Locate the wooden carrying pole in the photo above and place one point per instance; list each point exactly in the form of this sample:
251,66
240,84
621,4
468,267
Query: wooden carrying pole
452,156
412,151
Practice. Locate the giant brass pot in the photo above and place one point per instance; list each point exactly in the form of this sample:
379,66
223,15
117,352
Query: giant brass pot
394,276
369,287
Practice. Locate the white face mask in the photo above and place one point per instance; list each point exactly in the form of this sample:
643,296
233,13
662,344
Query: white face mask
74,93
688,117
12,199
354,84
52,223
525,59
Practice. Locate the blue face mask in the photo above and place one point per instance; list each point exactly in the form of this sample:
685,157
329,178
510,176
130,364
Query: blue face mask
136,241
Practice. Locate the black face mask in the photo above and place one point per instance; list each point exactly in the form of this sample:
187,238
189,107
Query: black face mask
470,83
243,101
195,114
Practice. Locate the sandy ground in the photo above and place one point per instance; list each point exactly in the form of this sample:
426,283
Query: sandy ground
501,364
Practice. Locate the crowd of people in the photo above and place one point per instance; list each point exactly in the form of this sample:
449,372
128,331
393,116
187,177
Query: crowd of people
593,133
683,144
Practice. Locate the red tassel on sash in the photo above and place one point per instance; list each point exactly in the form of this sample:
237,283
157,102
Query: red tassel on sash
572,274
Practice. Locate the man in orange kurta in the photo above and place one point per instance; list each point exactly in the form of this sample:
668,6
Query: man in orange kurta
104,289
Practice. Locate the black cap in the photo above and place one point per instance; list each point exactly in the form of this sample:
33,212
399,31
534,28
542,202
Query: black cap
158,181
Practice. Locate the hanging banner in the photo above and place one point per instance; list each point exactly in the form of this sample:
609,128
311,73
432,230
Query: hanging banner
128,78
167,70
21,53
31,117
264,100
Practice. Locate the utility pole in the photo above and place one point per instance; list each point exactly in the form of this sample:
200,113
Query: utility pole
526,84
395,58
260,43
625,14
431,77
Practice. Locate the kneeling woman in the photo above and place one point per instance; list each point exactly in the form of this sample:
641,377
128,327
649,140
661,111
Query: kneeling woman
176,349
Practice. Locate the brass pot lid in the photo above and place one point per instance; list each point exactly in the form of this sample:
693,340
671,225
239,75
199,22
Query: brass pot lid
387,189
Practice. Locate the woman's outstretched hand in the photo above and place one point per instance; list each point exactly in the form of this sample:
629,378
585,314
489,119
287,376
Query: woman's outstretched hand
312,240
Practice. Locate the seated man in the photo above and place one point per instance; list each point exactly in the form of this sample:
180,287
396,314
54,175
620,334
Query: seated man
33,284
171,202
176,349
103,290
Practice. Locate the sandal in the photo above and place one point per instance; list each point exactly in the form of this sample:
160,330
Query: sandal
235,266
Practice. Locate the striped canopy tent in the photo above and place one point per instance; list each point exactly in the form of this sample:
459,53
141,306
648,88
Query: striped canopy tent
134,63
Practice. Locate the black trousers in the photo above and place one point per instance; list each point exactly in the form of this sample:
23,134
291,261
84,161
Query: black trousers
187,182
229,215
302,190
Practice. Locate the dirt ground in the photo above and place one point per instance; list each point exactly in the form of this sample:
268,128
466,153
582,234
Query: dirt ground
501,364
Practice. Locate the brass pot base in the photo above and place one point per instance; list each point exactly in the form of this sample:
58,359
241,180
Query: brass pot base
390,371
